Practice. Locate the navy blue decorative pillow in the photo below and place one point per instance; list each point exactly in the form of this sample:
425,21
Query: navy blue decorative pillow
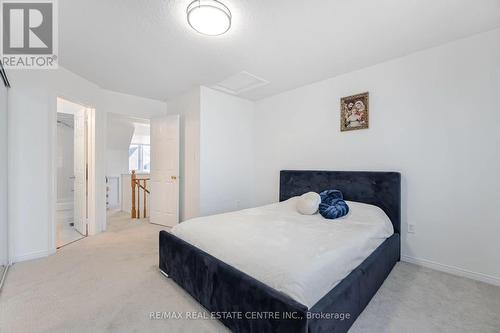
332,204
329,195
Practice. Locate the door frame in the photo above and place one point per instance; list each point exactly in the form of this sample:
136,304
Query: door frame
91,161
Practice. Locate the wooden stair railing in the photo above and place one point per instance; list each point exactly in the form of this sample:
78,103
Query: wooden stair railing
138,184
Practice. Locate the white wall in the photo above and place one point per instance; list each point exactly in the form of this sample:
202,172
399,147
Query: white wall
434,117
3,176
188,107
120,131
117,162
133,106
217,164
227,153
32,109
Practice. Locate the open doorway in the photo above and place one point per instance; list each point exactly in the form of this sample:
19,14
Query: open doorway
72,172
128,166
143,169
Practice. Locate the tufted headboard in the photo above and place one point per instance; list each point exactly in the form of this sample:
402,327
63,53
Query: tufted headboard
382,189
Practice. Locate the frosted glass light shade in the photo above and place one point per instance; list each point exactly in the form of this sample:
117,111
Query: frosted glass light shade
209,17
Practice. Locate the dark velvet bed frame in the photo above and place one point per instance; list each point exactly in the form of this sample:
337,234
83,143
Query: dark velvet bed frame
244,304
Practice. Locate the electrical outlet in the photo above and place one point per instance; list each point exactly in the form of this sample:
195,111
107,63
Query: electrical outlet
411,228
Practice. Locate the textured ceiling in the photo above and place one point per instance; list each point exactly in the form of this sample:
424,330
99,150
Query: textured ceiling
146,48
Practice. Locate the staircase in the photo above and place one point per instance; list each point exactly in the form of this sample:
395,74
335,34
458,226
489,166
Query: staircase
139,190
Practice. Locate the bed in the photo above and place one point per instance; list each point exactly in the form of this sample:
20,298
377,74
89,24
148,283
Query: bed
293,296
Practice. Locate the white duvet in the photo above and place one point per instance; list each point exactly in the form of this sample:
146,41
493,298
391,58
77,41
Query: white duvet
303,256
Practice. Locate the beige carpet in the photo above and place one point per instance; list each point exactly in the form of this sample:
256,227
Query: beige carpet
110,283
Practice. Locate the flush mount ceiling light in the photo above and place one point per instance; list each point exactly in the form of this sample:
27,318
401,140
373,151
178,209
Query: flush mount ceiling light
209,17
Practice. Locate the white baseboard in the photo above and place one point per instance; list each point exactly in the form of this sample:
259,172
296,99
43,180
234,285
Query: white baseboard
453,270
30,256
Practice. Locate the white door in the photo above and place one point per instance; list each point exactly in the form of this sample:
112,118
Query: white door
164,174
80,167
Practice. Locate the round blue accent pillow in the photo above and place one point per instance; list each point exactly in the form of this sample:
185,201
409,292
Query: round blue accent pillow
332,204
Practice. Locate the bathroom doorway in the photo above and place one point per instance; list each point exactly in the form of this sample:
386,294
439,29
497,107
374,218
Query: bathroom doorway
72,172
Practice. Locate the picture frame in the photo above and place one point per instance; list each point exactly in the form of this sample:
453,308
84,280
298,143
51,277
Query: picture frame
354,112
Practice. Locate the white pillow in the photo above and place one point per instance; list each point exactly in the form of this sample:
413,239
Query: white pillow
308,203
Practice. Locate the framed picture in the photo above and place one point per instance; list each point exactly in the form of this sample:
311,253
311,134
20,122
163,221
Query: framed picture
354,112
